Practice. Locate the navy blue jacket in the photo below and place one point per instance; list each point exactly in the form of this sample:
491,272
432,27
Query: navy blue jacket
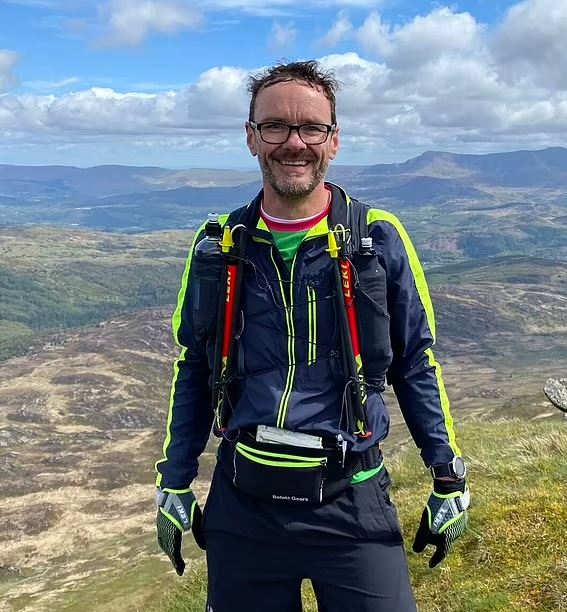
288,361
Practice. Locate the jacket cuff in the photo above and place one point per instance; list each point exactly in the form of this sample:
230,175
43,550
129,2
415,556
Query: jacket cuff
437,455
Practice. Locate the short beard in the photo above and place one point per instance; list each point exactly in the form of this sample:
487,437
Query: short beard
292,190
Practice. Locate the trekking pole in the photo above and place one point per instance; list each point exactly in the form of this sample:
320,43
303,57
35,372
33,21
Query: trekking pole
229,301
357,396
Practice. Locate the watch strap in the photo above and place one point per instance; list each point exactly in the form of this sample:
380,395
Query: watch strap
442,471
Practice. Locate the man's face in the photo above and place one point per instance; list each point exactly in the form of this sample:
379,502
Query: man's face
293,169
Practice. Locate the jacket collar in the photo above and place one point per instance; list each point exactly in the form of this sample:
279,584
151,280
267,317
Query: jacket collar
339,214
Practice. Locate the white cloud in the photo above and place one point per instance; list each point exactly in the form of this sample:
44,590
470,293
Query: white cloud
438,34
215,102
8,59
374,36
130,22
282,36
531,42
424,39
340,31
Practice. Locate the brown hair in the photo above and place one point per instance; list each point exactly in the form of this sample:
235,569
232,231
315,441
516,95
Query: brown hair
309,72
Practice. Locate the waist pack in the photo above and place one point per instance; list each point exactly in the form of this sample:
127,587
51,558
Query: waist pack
282,473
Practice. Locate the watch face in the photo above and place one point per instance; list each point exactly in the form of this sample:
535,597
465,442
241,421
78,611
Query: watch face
459,467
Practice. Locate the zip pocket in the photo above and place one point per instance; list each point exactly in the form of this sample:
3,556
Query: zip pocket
279,476
283,460
312,318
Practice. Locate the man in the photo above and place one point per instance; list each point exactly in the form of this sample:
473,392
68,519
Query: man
300,489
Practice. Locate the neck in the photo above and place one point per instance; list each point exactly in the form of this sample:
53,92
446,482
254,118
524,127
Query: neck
287,208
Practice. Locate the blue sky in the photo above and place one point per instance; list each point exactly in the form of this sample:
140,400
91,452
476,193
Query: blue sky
62,40
161,82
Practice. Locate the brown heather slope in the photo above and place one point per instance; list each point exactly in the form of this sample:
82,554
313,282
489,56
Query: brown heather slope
81,424
82,421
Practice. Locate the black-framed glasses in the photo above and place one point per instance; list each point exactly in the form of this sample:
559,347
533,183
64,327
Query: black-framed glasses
273,132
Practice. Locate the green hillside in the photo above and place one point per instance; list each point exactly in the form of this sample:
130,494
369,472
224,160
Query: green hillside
52,280
514,555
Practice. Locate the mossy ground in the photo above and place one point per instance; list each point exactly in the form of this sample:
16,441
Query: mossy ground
514,554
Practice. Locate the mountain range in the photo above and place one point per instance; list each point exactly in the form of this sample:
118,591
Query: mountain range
458,206
429,178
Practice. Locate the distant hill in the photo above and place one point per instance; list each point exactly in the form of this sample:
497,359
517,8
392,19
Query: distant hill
546,168
191,196
69,182
457,206
426,190
543,168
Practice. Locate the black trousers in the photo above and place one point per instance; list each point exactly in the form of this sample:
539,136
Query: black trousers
351,549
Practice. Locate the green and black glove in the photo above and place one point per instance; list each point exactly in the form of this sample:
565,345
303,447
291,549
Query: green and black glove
444,518
178,511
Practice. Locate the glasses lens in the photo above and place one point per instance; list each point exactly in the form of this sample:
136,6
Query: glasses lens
313,134
274,133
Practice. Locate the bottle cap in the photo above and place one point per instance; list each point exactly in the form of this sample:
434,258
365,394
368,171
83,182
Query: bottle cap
366,243
213,217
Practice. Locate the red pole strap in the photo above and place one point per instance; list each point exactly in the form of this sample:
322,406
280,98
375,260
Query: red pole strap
231,278
348,292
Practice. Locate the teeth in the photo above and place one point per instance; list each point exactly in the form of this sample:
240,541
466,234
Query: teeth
293,163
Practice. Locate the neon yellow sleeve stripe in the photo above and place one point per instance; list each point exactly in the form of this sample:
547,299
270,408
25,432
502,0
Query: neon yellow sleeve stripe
176,324
169,415
375,214
176,319
445,405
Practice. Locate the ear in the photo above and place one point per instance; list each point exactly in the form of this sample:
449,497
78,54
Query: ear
334,144
251,139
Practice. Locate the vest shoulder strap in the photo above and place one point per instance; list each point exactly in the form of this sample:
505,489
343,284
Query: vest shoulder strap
357,223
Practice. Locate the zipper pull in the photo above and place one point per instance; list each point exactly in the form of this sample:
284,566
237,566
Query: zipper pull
343,444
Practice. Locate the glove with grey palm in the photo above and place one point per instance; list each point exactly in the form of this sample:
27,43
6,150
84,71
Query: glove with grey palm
178,511
444,519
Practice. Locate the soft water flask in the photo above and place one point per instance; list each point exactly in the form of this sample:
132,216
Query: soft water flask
205,275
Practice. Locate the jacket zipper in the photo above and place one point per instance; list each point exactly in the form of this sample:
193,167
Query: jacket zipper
288,309
287,297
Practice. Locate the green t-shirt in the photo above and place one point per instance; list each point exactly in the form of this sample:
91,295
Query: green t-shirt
288,243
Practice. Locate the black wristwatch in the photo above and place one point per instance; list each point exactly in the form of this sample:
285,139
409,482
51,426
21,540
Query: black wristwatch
455,469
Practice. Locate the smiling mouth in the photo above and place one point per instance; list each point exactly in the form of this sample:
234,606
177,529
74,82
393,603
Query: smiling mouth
297,163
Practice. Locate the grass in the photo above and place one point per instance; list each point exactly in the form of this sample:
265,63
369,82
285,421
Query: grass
514,554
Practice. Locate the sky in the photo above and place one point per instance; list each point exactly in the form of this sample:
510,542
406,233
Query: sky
163,82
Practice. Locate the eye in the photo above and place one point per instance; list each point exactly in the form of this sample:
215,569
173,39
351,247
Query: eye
274,127
314,128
